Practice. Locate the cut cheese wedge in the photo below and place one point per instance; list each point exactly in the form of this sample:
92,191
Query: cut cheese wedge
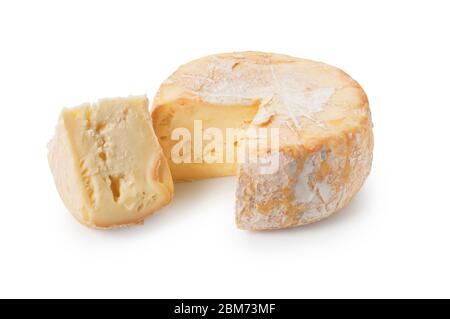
323,120
107,163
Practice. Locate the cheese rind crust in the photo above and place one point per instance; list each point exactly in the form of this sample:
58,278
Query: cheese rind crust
107,163
324,119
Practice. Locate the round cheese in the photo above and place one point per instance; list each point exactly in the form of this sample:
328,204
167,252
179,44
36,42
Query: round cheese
321,115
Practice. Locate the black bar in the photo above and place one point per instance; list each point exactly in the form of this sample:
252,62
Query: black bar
221,308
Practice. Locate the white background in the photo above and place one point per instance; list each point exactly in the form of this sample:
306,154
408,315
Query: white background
392,241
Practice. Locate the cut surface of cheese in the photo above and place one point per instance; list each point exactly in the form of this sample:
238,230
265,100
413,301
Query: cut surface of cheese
182,114
107,163
322,116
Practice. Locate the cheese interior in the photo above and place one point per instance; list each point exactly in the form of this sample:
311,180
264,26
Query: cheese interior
119,161
182,114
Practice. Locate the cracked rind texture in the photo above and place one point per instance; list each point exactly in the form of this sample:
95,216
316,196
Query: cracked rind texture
325,127
310,185
107,163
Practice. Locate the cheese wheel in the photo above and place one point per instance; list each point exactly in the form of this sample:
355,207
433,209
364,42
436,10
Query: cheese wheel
321,115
